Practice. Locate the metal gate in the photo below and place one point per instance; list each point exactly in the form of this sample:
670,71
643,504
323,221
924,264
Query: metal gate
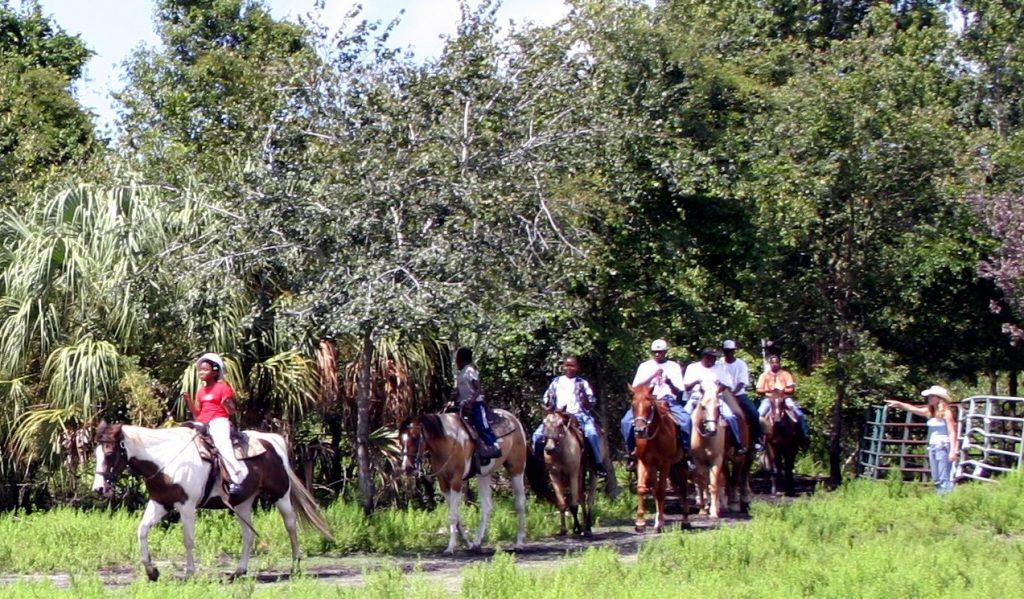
991,436
991,432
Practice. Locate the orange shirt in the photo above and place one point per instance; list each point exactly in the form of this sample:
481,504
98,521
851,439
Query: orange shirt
771,381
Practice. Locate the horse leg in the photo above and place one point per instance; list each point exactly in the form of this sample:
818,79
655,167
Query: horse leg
154,512
243,512
715,489
284,505
561,501
790,484
588,514
454,497
641,491
188,535
659,499
519,492
484,488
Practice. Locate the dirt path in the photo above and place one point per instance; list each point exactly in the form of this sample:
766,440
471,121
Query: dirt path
350,570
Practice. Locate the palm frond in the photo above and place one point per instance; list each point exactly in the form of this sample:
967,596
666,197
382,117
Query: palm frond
82,375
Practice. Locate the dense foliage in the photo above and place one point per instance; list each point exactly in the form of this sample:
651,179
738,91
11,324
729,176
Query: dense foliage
335,215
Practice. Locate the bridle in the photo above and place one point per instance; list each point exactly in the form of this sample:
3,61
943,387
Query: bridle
562,428
417,460
117,457
641,430
708,403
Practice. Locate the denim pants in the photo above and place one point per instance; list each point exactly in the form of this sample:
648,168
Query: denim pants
586,422
681,416
753,418
942,469
483,428
766,406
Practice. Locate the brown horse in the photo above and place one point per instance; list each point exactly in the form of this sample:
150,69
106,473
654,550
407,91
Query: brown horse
781,443
451,448
738,464
570,470
707,450
659,457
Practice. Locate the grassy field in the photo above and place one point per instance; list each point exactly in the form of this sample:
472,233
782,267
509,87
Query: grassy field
869,539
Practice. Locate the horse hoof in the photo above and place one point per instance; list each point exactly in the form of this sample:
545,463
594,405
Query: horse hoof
473,549
640,527
588,534
448,552
152,573
659,529
685,525
236,575
562,533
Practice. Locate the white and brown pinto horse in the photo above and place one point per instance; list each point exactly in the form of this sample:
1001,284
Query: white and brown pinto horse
450,447
178,478
570,470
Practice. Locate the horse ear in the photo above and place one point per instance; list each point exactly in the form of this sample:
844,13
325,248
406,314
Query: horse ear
630,387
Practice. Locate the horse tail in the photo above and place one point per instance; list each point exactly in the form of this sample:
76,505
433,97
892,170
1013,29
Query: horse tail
537,477
308,511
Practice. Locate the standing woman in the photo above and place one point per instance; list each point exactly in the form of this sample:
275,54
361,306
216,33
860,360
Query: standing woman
214,405
943,444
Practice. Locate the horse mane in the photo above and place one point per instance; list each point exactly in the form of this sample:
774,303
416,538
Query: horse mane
432,425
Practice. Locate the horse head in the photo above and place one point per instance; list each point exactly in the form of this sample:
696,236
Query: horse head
410,437
555,426
708,407
111,457
644,411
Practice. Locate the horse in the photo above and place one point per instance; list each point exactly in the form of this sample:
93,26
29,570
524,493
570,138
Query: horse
659,457
707,450
737,464
568,468
178,477
781,443
451,448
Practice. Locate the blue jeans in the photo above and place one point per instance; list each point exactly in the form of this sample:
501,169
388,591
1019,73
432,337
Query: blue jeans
766,406
942,469
753,418
681,417
589,432
483,428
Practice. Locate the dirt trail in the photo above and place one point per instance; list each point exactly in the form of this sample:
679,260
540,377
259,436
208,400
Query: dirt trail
350,570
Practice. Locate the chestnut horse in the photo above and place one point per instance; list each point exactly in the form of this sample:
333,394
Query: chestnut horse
781,443
659,457
570,470
707,450
177,477
451,449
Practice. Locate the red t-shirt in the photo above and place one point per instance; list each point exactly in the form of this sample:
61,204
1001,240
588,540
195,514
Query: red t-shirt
211,401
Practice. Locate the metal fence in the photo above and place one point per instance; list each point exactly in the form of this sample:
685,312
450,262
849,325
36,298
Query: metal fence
991,436
991,432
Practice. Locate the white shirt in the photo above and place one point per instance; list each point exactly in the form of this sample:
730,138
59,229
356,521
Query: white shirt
670,371
565,394
738,373
707,377
467,381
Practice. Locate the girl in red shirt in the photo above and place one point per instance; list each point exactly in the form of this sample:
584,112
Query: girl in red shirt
213,406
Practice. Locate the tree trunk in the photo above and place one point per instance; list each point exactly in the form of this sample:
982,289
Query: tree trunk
611,483
835,445
1011,390
993,382
363,426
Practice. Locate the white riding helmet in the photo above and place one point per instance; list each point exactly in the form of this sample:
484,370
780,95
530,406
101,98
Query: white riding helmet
214,359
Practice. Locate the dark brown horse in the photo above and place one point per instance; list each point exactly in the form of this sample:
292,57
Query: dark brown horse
738,464
570,470
781,434
659,457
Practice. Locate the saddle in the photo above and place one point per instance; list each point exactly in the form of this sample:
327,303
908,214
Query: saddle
245,447
500,425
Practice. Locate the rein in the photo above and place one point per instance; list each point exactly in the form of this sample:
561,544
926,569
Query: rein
418,460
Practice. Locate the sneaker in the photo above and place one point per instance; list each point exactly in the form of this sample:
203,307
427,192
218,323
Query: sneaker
490,451
741,450
599,469
234,490
758,446
631,463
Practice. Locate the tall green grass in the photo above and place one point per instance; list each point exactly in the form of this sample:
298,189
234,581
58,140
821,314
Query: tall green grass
69,540
869,539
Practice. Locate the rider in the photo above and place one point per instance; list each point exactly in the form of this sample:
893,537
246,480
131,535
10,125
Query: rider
703,377
572,394
665,378
214,405
775,379
740,375
467,390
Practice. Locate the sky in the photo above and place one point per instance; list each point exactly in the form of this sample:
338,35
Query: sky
112,29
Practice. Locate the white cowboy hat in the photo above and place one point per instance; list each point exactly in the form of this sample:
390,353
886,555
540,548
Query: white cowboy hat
659,345
213,359
937,391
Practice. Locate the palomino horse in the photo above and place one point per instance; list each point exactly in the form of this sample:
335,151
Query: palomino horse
723,474
177,477
451,448
781,443
707,450
737,464
568,468
659,457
